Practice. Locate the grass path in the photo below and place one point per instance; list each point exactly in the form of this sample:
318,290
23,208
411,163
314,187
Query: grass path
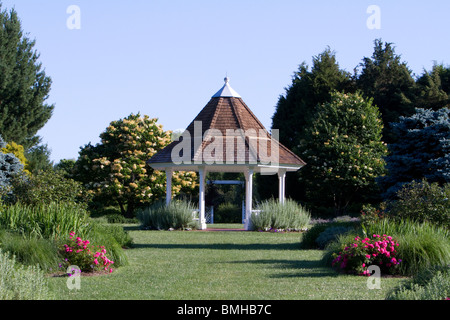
221,265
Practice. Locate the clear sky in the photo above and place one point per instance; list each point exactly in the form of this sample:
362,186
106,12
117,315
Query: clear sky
166,58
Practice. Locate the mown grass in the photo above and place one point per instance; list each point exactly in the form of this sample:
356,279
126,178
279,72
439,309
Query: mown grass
190,265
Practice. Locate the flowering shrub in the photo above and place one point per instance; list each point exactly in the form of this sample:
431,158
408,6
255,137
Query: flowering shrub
370,215
359,255
79,252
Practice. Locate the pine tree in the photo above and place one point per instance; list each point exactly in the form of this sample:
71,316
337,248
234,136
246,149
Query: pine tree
308,90
422,150
10,166
24,86
430,89
388,80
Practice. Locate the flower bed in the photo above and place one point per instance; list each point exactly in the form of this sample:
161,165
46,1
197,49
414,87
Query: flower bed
362,253
88,258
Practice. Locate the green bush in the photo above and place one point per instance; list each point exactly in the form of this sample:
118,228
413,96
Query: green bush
48,221
159,216
275,215
330,234
18,282
228,213
46,187
120,219
423,202
310,236
430,284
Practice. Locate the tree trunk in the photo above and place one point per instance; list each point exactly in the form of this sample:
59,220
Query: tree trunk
130,210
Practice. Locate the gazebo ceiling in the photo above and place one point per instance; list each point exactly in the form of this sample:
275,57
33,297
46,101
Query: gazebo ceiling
226,136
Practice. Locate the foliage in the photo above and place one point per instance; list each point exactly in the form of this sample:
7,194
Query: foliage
309,89
18,282
430,284
280,216
370,214
388,80
344,151
116,168
228,213
106,233
38,159
319,226
423,245
48,221
24,86
175,215
79,252
66,167
46,187
10,166
330,234
360,254
423,202
19,152
31,251
431,89
420,151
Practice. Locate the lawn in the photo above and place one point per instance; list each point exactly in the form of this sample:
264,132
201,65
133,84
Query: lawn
221,265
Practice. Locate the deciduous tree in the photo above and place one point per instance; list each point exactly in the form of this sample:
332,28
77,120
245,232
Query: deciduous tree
343,151
116,168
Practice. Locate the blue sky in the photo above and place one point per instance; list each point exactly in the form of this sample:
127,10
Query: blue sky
167,58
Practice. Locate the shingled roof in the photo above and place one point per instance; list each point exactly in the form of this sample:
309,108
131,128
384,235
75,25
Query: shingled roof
226,113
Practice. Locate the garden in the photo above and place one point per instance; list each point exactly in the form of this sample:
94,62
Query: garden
161,255
368,217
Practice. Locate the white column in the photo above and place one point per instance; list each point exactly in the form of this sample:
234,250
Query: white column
169,174
201,200
282,185
248,198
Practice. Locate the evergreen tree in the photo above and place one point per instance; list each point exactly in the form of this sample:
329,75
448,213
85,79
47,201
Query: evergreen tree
308,90
10,166
430,89
422,150
24,86
297,108
388,80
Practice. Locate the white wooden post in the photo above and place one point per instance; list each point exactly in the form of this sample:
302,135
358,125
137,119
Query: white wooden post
282,185
201,200
248,198
169,173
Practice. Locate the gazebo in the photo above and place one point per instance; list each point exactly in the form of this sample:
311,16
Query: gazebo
226,137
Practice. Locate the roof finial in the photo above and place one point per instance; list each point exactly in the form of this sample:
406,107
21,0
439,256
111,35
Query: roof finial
226,79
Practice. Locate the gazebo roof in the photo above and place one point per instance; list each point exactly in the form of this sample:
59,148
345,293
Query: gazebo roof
250,144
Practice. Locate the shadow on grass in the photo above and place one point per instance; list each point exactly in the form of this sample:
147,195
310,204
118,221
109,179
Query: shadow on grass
220,246
294,268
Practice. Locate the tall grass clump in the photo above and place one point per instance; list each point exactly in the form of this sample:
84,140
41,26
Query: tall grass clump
18,282
48,221
176,215
422,245
31,251
271,214
114,238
